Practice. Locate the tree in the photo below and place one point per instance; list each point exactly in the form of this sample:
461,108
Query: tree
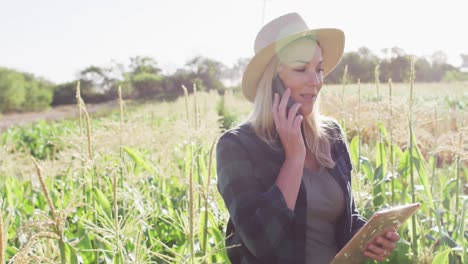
423,70
207,70
23,92
38,94
400,68
97,78
147,85
361,65
397,52
234,74
12,90
173,83
64,93
143,64
439,57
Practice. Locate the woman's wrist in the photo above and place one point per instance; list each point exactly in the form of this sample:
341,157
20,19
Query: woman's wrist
295,159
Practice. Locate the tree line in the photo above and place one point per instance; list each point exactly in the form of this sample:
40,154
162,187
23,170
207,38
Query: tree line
143,79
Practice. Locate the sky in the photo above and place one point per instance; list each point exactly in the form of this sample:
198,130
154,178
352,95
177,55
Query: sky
55,39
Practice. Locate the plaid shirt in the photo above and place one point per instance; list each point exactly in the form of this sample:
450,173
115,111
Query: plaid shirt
261,228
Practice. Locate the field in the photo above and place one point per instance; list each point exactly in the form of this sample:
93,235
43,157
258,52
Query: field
139,185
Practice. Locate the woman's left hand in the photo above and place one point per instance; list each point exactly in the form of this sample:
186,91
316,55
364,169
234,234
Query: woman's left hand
382,246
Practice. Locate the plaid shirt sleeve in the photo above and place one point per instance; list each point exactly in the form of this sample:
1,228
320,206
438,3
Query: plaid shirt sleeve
358,220
260,216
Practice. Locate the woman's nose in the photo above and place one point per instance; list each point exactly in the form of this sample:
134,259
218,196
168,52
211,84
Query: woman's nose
314,78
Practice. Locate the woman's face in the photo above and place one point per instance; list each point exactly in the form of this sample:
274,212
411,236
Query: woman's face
300,69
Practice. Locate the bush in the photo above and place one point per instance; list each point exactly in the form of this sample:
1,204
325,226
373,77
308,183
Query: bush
455,76
23,92
12,92
38,95
40,139
64,94
147,84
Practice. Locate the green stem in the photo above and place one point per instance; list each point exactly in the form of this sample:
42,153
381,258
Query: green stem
191,214
384,191
343,81
392,162
457,193
413,191
207,189
359,139
63,257
377,81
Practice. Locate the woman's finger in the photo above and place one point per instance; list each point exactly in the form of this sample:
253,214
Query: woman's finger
372,255
383,246
292,114
282,105
385,242
393,235
297,122
274,109
378,250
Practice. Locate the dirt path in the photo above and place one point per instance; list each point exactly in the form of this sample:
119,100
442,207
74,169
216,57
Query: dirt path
55,113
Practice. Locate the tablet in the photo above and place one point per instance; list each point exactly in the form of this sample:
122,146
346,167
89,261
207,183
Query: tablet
352,252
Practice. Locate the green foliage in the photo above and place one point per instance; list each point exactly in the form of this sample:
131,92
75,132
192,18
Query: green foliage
455,76
68,254
397,68
142,78
361,64
147,85
442,257
12,90
227,117
146,217
208,71
459,102
41,139
434,208
143,64
38,94
139,160
23,92
64,93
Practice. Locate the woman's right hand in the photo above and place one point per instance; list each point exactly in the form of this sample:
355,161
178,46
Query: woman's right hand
288,125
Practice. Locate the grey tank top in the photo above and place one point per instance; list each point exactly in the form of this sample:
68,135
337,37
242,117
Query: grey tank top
325,205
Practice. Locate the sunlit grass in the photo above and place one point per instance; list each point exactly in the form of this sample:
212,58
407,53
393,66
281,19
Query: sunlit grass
139,185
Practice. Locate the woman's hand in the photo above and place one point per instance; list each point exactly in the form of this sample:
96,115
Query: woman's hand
288,126
382,246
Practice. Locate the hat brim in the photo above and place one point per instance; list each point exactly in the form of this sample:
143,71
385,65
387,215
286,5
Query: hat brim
331,41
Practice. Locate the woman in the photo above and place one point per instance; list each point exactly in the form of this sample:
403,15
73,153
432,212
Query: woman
285,174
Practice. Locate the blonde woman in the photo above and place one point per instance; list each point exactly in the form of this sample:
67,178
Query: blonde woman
285,174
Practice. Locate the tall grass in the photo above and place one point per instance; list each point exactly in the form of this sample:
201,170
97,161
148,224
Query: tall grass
411,166
2,240
392,156
344,81
166,208
377,80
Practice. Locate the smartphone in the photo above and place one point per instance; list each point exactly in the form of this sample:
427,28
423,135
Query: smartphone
279,88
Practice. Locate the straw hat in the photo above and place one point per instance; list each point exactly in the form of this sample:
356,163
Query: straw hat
277,34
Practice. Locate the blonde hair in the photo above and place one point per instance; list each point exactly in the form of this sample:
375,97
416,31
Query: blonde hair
314,125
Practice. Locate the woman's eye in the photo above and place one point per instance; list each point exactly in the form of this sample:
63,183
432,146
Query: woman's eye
300,69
